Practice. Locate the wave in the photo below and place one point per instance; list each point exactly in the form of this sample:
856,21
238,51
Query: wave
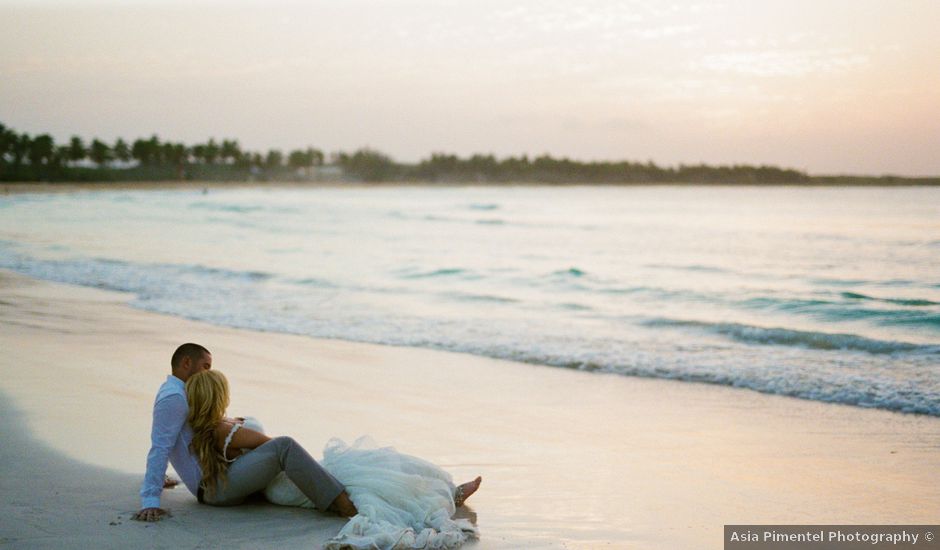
831,384
750,334
570,272
201,292
886,374
910,400
693,267
825,281
914,302
851,306
218,272
791,304
897,282
315,282
442,272
126,276
220,207
399,215
470,297
483,206
627,290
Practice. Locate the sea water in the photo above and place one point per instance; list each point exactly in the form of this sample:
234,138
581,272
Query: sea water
826,293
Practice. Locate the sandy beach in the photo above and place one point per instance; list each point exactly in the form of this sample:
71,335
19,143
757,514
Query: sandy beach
569,459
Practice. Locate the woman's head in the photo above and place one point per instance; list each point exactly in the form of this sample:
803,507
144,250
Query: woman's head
207,393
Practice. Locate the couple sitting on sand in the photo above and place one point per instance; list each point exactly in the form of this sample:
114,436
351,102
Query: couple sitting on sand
394,500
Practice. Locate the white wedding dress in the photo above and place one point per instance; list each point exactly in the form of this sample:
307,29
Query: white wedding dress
404,502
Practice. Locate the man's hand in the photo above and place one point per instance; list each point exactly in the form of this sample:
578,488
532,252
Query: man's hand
169,482
152,514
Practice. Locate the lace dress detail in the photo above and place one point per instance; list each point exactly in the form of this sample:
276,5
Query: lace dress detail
228,439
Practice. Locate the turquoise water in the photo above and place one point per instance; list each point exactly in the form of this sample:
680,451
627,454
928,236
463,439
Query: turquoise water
830,294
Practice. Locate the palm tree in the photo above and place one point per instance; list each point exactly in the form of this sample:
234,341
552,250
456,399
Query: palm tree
175,153
41,154
297,159
60,157
7,139
121,151
20,149
199,153
230,150
41,150
76,149
147,151
211,151
275,159
153,145
168,153
243,159
369,165
140,150
314,157
100,153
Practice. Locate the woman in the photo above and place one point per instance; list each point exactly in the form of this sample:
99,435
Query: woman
402,501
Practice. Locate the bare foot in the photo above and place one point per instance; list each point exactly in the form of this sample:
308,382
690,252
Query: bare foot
464,491
343,506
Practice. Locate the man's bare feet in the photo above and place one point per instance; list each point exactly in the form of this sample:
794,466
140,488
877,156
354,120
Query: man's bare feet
343,506
464,491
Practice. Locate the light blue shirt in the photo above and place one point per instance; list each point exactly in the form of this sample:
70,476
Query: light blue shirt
170,437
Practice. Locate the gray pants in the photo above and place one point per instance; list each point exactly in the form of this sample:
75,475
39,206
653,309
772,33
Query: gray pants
253,471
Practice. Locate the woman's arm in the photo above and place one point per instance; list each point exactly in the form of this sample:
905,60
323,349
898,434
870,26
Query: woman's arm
246,438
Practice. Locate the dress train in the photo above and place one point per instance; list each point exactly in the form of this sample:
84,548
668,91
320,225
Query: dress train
404,502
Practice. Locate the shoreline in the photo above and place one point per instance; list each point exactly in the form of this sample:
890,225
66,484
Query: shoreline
568,458
601,372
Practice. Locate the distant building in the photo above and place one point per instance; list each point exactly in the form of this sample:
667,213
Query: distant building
327,172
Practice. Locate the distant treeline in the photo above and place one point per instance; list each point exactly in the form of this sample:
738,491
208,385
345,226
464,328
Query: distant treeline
371,165
39,158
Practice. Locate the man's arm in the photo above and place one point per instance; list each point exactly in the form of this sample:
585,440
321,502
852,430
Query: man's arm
169,416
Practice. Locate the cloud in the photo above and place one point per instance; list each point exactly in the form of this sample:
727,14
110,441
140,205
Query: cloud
773,63
666,31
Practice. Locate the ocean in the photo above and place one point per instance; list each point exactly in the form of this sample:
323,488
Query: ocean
823,293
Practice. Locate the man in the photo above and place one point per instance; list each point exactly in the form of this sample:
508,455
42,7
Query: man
170,443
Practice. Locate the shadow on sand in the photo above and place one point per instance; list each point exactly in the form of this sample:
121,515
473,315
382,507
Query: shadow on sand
52,501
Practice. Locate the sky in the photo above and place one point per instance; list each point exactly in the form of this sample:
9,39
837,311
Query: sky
825,86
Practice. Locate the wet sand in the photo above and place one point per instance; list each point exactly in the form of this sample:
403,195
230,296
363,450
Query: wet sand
569,459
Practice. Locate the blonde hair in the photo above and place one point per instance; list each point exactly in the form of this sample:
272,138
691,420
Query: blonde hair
208,396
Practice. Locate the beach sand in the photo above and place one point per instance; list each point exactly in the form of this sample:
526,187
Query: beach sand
569,459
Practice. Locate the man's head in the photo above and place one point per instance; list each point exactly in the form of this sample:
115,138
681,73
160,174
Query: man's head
189,359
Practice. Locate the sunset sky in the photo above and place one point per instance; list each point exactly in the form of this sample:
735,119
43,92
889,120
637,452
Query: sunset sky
827,86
